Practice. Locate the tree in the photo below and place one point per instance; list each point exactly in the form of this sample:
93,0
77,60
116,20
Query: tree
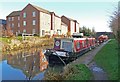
9,32
93,32
114,23
87,31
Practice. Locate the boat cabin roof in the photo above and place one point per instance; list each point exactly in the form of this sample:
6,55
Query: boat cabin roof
74,38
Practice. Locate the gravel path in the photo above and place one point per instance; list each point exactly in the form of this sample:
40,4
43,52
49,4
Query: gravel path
87,59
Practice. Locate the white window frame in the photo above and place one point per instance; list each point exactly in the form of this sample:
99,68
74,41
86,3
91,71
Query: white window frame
24,31
34,22
24,15
24,23
34,14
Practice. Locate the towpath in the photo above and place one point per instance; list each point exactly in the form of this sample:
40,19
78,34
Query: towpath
87,59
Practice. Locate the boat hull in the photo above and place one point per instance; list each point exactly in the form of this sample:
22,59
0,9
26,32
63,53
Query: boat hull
57,59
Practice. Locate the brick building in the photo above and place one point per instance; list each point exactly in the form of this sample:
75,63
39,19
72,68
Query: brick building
73,25
35,20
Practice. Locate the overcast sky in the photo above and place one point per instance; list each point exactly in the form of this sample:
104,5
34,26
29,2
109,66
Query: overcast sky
90,14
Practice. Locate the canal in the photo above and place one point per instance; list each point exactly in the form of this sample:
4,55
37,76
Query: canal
26,65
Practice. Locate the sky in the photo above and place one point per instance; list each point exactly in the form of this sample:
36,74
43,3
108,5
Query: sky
89,13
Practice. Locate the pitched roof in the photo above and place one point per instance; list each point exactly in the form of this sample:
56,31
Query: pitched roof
70,18
15,13
41,9
63,23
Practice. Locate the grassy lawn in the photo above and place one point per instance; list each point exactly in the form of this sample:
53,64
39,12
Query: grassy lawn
107,58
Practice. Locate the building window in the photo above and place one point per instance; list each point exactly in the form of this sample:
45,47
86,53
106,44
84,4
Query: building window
24,15
59,31
12,18
18,24
33,31
12,25
18,18
24,23
24,31
34,22
43,32
9,18
78,45
33,14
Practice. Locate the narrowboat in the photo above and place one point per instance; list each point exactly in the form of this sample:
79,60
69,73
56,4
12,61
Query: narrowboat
68,49
102,38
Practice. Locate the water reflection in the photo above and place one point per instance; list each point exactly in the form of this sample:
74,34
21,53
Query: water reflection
24,65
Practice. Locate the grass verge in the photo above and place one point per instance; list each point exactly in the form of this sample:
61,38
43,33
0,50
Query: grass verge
71,72
79,72
107,58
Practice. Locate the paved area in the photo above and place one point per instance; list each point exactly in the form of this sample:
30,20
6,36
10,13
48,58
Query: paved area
87,59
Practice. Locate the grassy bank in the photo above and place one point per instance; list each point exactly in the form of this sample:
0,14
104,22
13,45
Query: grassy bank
70,72
107,58
16,43
78,72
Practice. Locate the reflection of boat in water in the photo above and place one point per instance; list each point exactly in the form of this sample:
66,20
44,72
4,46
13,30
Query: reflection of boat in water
31,64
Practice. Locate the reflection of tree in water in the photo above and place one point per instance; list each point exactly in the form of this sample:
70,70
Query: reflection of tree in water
30,63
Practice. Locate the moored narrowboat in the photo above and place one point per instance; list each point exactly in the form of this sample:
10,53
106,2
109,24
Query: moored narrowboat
68,49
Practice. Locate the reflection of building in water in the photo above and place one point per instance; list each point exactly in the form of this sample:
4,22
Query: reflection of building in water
30,63
43,61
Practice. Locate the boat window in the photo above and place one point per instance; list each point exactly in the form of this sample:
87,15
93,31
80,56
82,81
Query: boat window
78,45
83,43
67,46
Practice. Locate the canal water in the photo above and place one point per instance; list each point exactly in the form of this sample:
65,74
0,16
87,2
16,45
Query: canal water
25,65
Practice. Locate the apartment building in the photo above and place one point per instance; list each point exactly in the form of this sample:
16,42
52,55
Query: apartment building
34,20
73,25
55,24
13,21
64,28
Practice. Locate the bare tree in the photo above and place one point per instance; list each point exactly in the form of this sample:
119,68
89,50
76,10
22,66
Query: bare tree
9,32
114,23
